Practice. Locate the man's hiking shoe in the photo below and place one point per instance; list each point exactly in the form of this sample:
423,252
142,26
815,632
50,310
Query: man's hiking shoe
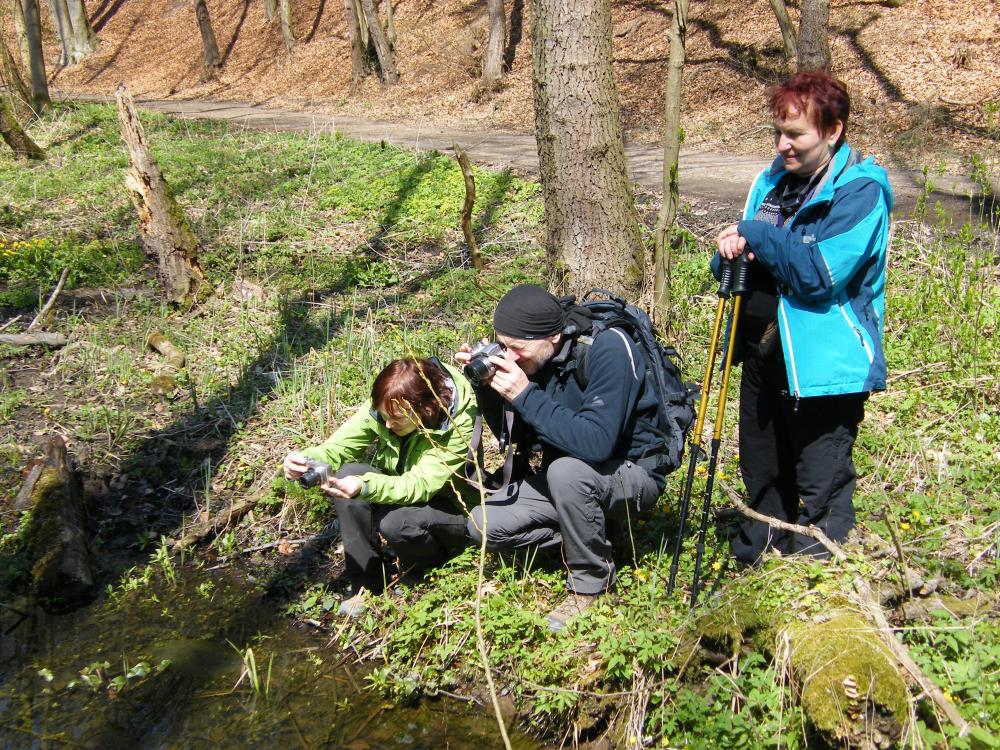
573,606
355,606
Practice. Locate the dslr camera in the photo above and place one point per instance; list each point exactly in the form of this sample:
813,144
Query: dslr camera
316,472
479,367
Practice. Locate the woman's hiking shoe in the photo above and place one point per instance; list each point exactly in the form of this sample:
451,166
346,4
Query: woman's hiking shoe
573,606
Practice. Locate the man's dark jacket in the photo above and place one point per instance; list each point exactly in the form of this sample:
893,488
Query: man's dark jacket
611,418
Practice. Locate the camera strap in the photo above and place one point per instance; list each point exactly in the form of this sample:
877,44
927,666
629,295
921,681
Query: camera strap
473,462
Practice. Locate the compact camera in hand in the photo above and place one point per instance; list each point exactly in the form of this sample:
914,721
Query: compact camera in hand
316,472
479,367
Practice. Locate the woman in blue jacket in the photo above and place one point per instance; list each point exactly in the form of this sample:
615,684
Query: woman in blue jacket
816,226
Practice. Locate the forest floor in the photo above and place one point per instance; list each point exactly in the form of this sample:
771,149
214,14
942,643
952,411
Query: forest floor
329,257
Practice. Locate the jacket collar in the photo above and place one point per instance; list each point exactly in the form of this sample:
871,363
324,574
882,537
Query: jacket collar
844,158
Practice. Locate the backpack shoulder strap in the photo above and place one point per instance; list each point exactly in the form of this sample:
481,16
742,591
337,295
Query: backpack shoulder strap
581,352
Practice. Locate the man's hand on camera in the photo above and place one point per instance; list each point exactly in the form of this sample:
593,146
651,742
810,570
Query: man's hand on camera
463,355
509,379
345,488
731,243
294,465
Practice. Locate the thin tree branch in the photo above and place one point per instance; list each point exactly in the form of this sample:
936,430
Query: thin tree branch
43,314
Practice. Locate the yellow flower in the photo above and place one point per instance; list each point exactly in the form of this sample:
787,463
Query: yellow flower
905,526
916,515
717,566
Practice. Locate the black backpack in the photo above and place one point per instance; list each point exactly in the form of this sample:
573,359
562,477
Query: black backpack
675,413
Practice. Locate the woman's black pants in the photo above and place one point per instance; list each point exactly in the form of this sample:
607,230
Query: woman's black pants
795,457
421,536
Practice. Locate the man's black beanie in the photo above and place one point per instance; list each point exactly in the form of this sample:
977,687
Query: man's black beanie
528,312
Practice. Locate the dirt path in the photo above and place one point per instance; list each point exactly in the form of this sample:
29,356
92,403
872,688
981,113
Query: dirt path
704,177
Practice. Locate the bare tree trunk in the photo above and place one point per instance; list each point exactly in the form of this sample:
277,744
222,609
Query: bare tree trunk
493,65
386,60
60,19
270,8
21,32
787,29
39,84
814,35
83,41
390,25
591,222
359,13
162,225
11,78
285,9
209,47
13,134
666,222
359,56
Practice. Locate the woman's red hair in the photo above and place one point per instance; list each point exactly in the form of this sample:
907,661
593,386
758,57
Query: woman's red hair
413,388
819,96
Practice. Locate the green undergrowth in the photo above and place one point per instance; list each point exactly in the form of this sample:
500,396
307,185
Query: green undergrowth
330,258
316,212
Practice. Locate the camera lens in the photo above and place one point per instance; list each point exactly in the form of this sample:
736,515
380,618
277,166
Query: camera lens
478,370
310,477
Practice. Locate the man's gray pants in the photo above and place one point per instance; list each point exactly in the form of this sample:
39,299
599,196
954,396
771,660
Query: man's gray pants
570,504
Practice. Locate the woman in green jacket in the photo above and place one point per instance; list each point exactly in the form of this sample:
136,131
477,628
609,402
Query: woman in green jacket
418,427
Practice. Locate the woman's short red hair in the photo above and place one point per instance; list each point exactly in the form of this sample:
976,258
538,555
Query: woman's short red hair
413,388
816,94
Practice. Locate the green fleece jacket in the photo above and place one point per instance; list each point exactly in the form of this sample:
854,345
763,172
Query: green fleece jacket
416,467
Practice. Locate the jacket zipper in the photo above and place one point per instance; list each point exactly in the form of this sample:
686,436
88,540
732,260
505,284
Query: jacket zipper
857,332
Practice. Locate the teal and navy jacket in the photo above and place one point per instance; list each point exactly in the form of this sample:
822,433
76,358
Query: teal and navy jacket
829,260
417,468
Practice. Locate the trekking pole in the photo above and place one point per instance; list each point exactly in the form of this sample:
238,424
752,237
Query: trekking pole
740,267
694,437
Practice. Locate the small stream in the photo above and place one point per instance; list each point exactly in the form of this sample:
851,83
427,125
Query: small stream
160,667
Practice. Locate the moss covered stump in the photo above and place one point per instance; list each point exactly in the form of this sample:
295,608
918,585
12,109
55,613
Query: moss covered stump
55,541
847,680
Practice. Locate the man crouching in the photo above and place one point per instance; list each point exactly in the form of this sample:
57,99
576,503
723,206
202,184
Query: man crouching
599,455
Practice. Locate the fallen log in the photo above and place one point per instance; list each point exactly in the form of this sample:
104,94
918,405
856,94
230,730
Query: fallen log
174,356
845,677
33,339
61,566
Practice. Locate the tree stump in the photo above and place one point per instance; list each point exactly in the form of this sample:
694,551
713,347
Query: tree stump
61,572
13,134
847,680
163,227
